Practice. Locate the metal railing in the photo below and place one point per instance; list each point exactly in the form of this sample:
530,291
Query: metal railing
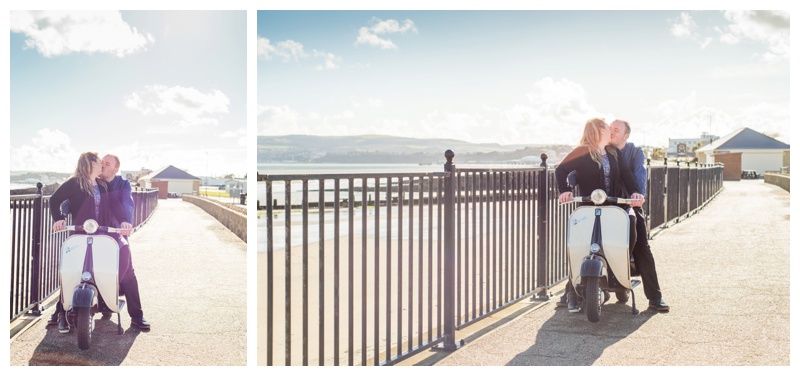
369,269
35,248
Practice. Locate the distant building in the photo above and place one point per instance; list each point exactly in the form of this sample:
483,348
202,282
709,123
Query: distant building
235,187
171,180
684,147
745,150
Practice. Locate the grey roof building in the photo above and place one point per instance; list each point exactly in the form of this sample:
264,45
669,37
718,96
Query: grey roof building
758,151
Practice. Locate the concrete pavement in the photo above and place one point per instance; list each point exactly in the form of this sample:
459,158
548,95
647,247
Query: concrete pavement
193,281
724,271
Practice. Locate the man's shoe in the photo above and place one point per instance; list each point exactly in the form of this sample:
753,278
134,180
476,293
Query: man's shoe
659,305
53,319
140,323
63,324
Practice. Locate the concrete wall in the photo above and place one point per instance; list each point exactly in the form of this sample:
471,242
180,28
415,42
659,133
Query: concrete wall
232,219
777,179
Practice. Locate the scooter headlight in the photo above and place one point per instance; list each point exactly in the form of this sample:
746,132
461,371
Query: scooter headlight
598,196
90,226
86,276
594,248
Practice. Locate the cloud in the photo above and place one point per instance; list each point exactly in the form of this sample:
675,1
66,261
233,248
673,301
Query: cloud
767,27
684,118
370,35
290,50
329,60
277,120
685,28
49,150
57,33
190,106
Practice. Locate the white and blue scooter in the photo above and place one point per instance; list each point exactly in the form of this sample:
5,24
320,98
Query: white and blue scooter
88,270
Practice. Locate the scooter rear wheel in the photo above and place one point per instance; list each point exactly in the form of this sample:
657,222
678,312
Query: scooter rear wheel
592,301
84,328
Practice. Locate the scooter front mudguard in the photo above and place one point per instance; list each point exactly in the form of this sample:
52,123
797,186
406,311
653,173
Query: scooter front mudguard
592,268
83,297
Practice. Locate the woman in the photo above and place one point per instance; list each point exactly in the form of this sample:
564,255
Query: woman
87,196
595,163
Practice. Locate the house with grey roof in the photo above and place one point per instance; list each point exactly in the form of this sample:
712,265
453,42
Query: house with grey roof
744,150
171,180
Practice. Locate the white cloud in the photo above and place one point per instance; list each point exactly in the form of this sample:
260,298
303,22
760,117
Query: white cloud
684,118
685,28
189,105
329,60
767,27
289,50
370,35
49,150
56,33
277,120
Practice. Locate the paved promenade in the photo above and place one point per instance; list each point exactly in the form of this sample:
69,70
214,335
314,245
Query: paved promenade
193,281
724,272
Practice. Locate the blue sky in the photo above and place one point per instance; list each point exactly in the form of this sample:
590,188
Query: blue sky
156,88
522,77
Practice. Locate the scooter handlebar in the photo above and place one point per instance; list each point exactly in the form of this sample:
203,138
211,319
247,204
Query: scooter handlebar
613,200
99,229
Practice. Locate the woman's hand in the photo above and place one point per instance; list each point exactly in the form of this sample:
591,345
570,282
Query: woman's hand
59,225
127,228
565,197
639,199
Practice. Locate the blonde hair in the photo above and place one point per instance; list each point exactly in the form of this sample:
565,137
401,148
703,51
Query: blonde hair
591,139
84,170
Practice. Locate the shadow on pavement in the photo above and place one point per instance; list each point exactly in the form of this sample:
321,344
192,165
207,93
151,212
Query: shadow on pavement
569,339
107,347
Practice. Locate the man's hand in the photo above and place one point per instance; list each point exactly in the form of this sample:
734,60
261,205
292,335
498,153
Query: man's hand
565,197
639,199
59,225
127,228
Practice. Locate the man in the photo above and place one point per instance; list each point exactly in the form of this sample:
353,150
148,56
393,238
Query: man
120,189
643,257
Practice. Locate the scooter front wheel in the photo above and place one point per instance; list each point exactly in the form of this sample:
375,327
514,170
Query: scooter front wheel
593,301
84,327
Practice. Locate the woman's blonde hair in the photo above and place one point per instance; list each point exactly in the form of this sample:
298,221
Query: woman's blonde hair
84,170
591,139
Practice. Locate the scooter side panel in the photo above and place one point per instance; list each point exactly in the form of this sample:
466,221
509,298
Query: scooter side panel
615,232
106,269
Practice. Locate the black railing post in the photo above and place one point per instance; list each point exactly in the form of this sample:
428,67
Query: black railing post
36,241
449,253
541,245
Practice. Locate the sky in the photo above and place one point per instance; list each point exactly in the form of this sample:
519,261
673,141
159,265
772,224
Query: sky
156,88
523,77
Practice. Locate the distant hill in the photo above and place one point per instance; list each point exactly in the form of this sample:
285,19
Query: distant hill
390,149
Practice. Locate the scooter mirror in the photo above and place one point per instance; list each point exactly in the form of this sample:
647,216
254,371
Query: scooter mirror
599,196
90,226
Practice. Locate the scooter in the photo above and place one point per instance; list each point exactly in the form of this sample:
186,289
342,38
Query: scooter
88,270
598,254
